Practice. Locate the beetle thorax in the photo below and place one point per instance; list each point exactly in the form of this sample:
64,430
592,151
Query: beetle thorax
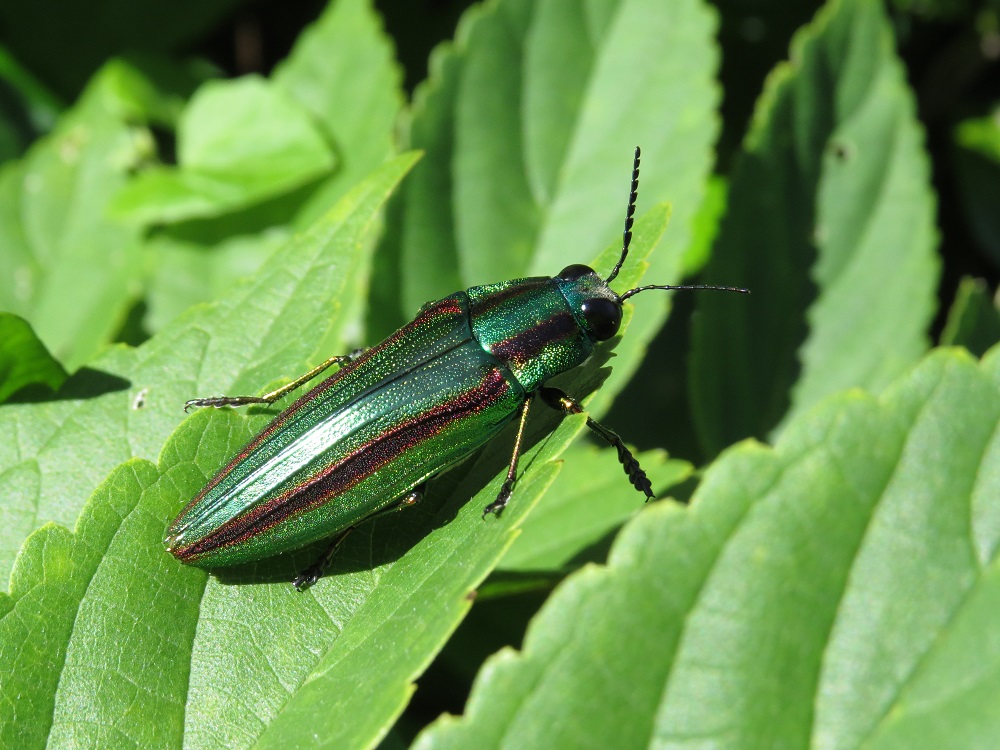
529,326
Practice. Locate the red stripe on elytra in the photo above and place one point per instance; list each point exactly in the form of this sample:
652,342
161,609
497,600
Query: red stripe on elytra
365,461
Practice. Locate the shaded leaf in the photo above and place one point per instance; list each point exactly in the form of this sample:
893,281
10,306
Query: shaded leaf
977,169
24,360
946,10
342,73
189,272
974,318
27,109
705,226
828,204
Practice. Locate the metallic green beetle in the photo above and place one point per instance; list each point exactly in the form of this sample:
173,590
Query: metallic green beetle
365,440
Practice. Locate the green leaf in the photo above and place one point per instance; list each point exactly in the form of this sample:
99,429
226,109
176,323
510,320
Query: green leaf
189,272
154,91
24,360
838,590
239,142
336,663
342,70
647,234
980,134
46,612
830,223
974,319
590,501
129,401
529,121
71,272
705,226
558,73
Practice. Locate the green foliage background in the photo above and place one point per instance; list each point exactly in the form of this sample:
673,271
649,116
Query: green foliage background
204,198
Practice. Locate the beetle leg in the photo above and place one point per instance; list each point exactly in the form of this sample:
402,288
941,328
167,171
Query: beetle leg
557,399
508,485
270,398
314,572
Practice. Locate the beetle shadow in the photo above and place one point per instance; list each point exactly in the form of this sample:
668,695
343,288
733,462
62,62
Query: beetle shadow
384,540
83,384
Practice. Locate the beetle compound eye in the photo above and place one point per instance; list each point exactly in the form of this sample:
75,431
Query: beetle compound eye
574,272
603,316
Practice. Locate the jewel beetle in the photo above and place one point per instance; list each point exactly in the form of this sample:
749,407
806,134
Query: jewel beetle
365,441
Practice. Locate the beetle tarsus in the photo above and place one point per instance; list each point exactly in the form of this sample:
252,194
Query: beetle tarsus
220,401
497,506
307,578
629,462
270,398
314,572
635,473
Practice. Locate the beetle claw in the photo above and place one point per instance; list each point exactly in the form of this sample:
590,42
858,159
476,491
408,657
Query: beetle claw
497,506
306,578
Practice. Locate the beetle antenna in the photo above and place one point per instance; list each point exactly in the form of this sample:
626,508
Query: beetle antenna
668,287
633,193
